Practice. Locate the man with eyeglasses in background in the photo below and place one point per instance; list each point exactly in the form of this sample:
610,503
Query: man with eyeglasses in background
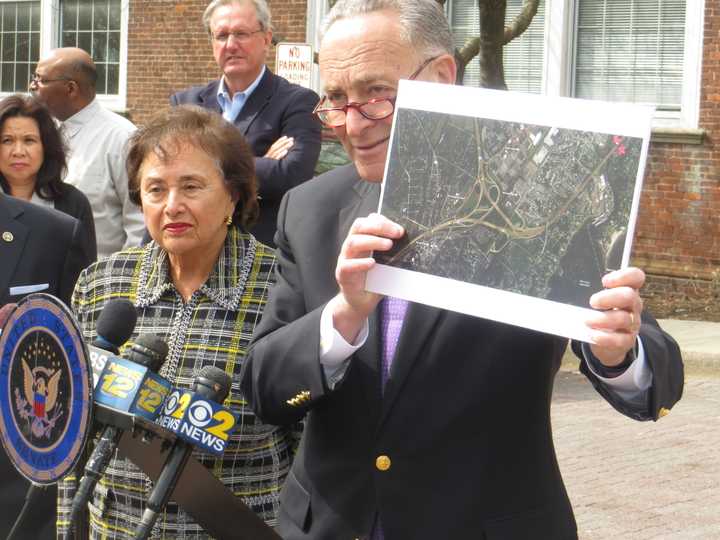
64,81
274,115
421,423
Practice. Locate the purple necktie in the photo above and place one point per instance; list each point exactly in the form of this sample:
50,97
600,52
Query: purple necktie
391,317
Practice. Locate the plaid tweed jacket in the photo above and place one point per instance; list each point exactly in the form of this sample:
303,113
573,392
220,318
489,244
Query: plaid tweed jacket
212,328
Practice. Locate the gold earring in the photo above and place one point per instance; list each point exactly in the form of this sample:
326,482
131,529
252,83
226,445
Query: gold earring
228,220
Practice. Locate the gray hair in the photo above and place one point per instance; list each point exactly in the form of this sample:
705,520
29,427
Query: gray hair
262,12
423,22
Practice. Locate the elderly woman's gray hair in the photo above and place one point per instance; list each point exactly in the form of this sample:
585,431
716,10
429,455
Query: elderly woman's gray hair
262,11
424,23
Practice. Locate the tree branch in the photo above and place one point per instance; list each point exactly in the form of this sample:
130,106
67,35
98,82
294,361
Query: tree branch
522,21
469,51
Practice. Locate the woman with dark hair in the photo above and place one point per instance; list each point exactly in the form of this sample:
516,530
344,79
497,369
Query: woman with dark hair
200,284
32,163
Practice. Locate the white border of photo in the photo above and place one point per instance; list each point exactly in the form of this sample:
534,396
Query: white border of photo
504,306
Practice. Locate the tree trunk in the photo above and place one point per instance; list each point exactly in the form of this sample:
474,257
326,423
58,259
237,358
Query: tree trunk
492,38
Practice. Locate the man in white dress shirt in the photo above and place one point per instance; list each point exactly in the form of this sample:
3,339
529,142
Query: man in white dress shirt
96,138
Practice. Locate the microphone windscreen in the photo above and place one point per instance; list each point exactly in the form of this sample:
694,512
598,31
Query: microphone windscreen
212,383
5,313
117,321
150,351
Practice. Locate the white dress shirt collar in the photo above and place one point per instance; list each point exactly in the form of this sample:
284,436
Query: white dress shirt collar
72,125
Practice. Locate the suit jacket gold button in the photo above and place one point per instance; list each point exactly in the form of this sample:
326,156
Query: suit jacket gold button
383,463
663,412
7,236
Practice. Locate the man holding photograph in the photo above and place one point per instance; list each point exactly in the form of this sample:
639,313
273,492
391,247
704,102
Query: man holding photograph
421,423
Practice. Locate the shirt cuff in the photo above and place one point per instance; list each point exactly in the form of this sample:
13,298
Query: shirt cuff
335,352
636,378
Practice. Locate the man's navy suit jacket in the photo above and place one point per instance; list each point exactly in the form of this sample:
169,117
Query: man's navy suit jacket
37,246
274,109
458,445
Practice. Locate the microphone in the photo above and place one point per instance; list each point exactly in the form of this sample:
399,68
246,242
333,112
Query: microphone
114,327
212,383
126,388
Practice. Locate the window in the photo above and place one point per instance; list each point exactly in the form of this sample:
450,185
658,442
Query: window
95,26
630,51
28,29
19,44
523,56
643,51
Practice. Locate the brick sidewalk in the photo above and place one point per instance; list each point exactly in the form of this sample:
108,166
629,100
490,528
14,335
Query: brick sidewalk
640,480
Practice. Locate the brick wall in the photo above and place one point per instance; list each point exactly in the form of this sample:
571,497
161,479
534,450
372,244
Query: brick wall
289,20
678,235
168,49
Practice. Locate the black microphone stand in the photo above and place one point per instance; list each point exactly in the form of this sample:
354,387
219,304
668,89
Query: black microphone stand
211,383
31,496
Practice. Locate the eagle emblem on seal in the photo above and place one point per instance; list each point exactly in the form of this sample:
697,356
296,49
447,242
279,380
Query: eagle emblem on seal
38,405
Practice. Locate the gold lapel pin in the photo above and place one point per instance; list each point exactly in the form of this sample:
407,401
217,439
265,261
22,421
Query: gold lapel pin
8,236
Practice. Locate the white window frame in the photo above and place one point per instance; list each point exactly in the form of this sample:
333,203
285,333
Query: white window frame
315,12
559,58
50,39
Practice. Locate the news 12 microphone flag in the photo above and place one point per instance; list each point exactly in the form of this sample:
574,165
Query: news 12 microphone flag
45,389
126,386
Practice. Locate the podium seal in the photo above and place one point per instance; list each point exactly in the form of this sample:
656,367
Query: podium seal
45,389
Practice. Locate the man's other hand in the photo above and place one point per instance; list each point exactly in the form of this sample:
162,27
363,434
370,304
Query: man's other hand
280,148
617,323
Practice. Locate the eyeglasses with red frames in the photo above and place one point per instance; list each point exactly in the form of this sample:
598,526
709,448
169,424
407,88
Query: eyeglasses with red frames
373,109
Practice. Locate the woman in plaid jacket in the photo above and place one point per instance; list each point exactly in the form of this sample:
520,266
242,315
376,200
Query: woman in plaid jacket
200,285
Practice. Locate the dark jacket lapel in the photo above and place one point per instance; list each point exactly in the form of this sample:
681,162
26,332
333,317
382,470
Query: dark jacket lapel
363,201
13,236
257,101
208,97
